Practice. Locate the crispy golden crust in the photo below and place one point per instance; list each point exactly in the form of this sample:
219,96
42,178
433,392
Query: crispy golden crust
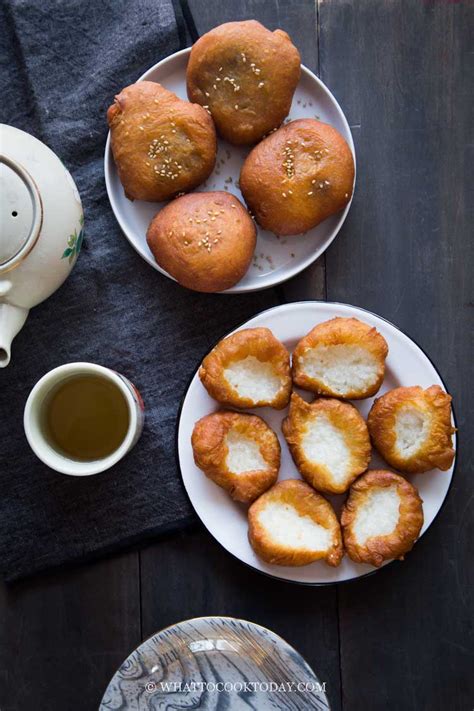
307,502
210,453
246,76
204,240
259,343
395,545
340,331
298,176
436,451
347,420
161,144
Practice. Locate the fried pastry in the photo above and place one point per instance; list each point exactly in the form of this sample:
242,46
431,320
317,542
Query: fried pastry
204,240
238,452
291,524
329,442
161,144
297,177
245,76
249,368
412,430
342,357
381,518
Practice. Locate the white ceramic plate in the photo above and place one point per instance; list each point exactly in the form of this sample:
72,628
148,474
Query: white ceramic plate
225,519
276,259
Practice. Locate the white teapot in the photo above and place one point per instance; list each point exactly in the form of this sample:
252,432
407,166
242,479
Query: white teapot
41,228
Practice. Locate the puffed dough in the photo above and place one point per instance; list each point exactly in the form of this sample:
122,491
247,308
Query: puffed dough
204,240
238,452
291,524
412,430
329,442
245,75
161,144
381,518
342,357
250,368
297,177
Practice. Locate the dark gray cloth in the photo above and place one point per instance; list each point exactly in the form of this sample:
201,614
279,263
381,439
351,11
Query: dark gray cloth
61,64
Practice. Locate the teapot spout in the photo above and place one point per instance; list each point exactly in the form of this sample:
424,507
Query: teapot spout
12,319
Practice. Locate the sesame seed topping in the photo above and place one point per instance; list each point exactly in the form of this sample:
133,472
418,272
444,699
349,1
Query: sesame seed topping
284,195
310,192
260,84
236,107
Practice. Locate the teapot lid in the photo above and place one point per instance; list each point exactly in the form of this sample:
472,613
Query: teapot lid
21,213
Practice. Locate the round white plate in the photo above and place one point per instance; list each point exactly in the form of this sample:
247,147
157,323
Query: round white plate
276,258
225,519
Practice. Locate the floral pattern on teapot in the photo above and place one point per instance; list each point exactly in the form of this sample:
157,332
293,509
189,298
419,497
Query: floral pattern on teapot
74,243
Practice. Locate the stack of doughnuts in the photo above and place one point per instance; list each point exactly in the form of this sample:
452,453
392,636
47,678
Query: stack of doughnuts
240,78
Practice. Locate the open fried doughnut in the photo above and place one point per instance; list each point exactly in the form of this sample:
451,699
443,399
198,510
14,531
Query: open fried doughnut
342,357
245,76
412,430
291,524
297,177
381,518
249,368
238,452
329,442
161,144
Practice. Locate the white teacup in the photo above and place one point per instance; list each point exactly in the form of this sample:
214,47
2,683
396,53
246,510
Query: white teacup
54,458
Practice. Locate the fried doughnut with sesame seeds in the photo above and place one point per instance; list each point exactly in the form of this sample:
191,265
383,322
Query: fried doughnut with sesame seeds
204,240
246,76
161,144
297,177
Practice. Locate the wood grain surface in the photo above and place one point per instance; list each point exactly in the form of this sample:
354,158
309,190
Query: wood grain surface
401,639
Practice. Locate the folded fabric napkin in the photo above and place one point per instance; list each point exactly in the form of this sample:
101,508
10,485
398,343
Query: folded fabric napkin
61,64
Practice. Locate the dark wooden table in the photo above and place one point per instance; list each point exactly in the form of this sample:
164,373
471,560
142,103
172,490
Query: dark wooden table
401,639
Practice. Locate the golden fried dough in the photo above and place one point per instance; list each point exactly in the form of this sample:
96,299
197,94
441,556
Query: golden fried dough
342,357
238,452
245,76
329,442
249,368
204,240
297,177
381,518
411,428
162,145
293,525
